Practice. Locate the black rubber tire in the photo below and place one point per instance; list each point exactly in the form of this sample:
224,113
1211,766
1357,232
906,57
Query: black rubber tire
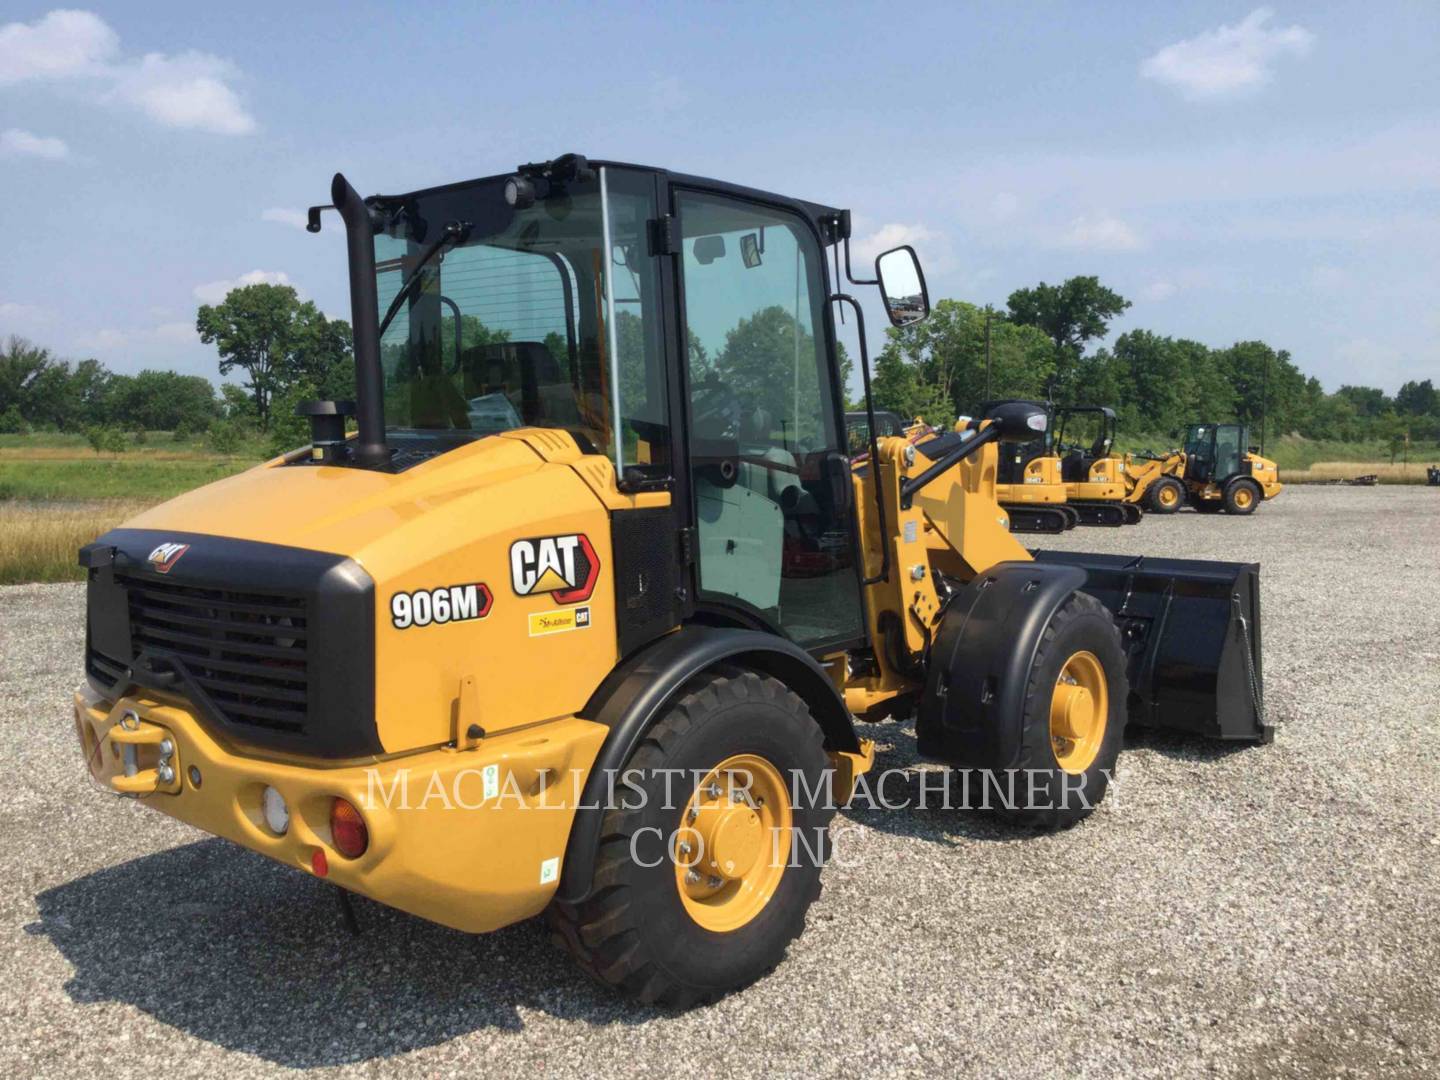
633,932
1063,799
1239,483
1153,504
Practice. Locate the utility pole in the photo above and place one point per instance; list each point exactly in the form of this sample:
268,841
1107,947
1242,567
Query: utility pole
988,315
1264,401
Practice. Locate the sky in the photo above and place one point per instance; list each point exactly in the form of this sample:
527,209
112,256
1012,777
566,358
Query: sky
1237,172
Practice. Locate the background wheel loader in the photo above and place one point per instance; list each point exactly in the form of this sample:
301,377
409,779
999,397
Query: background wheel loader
1224,472
578,619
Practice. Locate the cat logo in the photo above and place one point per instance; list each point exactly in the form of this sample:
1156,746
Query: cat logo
165,556
565,567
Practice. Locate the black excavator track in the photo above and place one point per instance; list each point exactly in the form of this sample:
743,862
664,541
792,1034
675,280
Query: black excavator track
1041,518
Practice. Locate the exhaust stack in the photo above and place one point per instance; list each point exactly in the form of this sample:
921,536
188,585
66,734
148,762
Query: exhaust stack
369,448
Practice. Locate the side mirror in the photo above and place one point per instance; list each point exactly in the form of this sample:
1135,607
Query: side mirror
1019,421
902,286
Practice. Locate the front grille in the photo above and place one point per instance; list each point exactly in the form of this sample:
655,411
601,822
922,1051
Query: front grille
247,651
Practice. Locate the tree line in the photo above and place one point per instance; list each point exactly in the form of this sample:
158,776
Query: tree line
1039,348
286,351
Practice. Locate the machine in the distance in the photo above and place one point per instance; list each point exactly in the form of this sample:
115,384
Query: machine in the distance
578,619
1224,472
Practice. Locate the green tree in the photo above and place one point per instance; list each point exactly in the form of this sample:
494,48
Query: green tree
1418,399
1070,314
162,401
939,364
267,332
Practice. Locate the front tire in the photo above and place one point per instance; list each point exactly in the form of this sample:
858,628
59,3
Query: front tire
1166,496
695,893
1242,495
1074,720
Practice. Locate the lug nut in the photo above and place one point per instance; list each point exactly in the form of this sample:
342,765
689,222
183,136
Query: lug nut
692,878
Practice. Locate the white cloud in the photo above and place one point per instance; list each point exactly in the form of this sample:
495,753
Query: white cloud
176,333
213,292
182,90
62,44
101,340
866,248
1229,60
17,143
1157,291
185,91
15,315
295,218
1100,232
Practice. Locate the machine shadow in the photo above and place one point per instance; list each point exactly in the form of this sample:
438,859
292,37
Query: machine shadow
231,948
907,795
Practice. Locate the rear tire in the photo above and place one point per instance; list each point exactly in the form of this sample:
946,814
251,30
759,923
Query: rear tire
1074,721
1166,496
1242,496
649,930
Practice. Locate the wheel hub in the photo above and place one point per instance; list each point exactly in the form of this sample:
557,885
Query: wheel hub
733,842
1079,712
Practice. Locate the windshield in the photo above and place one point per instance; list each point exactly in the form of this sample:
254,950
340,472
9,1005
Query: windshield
512,327
1197,440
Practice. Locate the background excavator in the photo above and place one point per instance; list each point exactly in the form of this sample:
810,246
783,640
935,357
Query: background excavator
567,558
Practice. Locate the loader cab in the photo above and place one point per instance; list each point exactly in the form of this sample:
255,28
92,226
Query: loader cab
678,326
1084,434
1215,452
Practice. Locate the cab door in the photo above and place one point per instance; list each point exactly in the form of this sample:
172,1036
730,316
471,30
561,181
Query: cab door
768,474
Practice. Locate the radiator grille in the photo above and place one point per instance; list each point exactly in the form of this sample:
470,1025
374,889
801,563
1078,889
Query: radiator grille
248,651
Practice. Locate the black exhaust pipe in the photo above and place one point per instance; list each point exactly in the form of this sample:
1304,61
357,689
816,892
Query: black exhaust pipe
369,448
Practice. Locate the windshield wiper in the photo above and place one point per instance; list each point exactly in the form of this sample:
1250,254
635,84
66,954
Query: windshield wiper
455,232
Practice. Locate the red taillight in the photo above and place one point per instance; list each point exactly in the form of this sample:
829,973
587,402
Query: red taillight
347,830
319,863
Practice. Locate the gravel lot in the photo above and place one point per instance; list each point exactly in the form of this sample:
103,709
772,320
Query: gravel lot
1230,911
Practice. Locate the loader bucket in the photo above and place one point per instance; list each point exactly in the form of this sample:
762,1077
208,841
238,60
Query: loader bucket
1192,634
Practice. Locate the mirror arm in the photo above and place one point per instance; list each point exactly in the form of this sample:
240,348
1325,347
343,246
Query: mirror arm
842,231
843,298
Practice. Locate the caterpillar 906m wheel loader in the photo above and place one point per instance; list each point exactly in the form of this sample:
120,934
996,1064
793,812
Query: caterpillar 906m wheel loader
578,620
1222,471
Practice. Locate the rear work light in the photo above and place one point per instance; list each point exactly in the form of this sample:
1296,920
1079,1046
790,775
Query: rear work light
347,829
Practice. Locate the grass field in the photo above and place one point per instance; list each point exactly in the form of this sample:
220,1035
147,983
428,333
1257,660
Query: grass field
57,494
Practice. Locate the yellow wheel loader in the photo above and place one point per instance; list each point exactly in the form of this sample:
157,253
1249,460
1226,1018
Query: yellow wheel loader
1154,481
1222,471
577,621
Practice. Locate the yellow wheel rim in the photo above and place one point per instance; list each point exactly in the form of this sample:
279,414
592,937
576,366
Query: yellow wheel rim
733,843
1079,710
1243,497
1168,496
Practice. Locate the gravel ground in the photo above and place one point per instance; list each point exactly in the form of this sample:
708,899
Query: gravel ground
1230,911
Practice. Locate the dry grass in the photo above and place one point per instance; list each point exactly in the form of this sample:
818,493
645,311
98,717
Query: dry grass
1323,472
38,541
